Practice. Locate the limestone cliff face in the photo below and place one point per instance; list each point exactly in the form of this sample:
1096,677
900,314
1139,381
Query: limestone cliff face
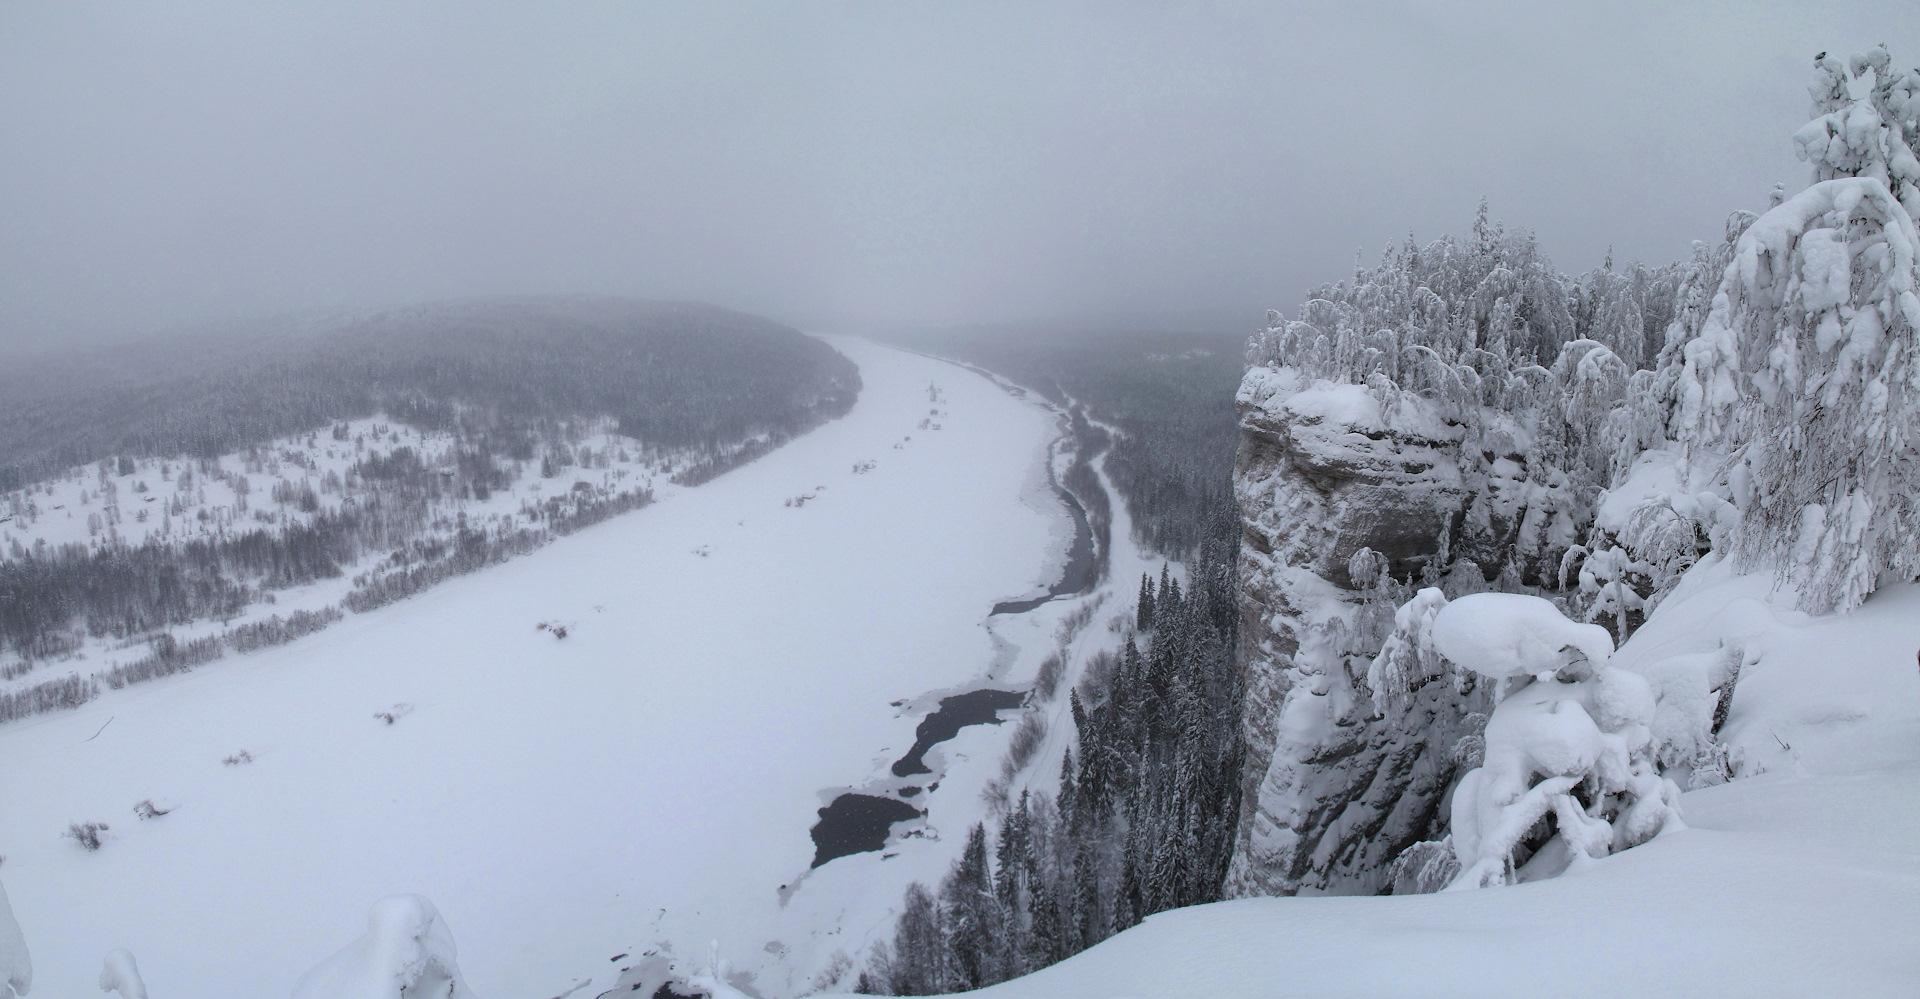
1335,785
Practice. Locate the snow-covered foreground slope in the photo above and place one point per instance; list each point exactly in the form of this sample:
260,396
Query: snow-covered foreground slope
653,775
1801,880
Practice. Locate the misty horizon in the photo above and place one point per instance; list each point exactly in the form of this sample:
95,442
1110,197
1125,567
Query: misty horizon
855,168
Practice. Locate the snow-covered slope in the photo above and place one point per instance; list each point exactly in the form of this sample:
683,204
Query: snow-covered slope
728,661
292,483
1800,879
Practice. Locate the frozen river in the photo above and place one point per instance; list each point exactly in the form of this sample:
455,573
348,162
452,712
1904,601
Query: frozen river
651,776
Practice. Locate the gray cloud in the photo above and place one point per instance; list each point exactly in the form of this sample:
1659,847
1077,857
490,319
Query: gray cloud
839,165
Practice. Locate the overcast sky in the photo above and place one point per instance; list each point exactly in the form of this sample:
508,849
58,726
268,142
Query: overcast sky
839,165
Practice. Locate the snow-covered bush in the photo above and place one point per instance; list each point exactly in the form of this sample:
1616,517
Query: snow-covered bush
87,834
407,951
1423,868
119,974
16,965
1610,580
1567,767
1569,771
1408,659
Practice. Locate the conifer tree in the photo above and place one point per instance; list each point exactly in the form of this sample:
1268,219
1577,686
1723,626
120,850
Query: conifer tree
975,930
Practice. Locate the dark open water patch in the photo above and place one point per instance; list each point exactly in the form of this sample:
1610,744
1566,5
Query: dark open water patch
1080,570
857,823
975,707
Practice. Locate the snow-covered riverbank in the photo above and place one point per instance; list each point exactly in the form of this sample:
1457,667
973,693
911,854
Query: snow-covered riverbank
729,653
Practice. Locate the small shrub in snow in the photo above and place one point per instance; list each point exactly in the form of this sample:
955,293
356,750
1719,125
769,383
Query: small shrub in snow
146,809
1715,765
87,834
1569,771
1046,682
1424,868
238,758
394,714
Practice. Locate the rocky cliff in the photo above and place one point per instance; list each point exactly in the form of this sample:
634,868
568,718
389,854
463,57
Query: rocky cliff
1348,496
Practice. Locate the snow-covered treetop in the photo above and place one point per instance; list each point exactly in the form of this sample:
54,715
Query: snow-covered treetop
1870,135
1491,301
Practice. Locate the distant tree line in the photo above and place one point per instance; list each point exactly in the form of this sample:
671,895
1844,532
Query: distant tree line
169,655
1143,820
673,374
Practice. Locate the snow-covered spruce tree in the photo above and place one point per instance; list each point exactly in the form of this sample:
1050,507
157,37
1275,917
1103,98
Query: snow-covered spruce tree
974,922
1806,370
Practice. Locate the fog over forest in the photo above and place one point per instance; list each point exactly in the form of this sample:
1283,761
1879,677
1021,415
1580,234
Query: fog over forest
854,165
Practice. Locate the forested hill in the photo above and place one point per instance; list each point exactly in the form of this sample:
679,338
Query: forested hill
185,494
674,374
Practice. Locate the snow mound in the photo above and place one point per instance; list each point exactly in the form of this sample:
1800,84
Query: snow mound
16,967
120,974
407,950
1503,635
1567,761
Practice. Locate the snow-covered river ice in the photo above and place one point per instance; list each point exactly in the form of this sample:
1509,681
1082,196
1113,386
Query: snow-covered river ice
650,777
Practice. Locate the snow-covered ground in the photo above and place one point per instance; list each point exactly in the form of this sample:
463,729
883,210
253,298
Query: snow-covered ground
1801,879
729,662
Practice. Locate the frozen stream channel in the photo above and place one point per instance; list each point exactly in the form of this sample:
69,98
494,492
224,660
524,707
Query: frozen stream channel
650,777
